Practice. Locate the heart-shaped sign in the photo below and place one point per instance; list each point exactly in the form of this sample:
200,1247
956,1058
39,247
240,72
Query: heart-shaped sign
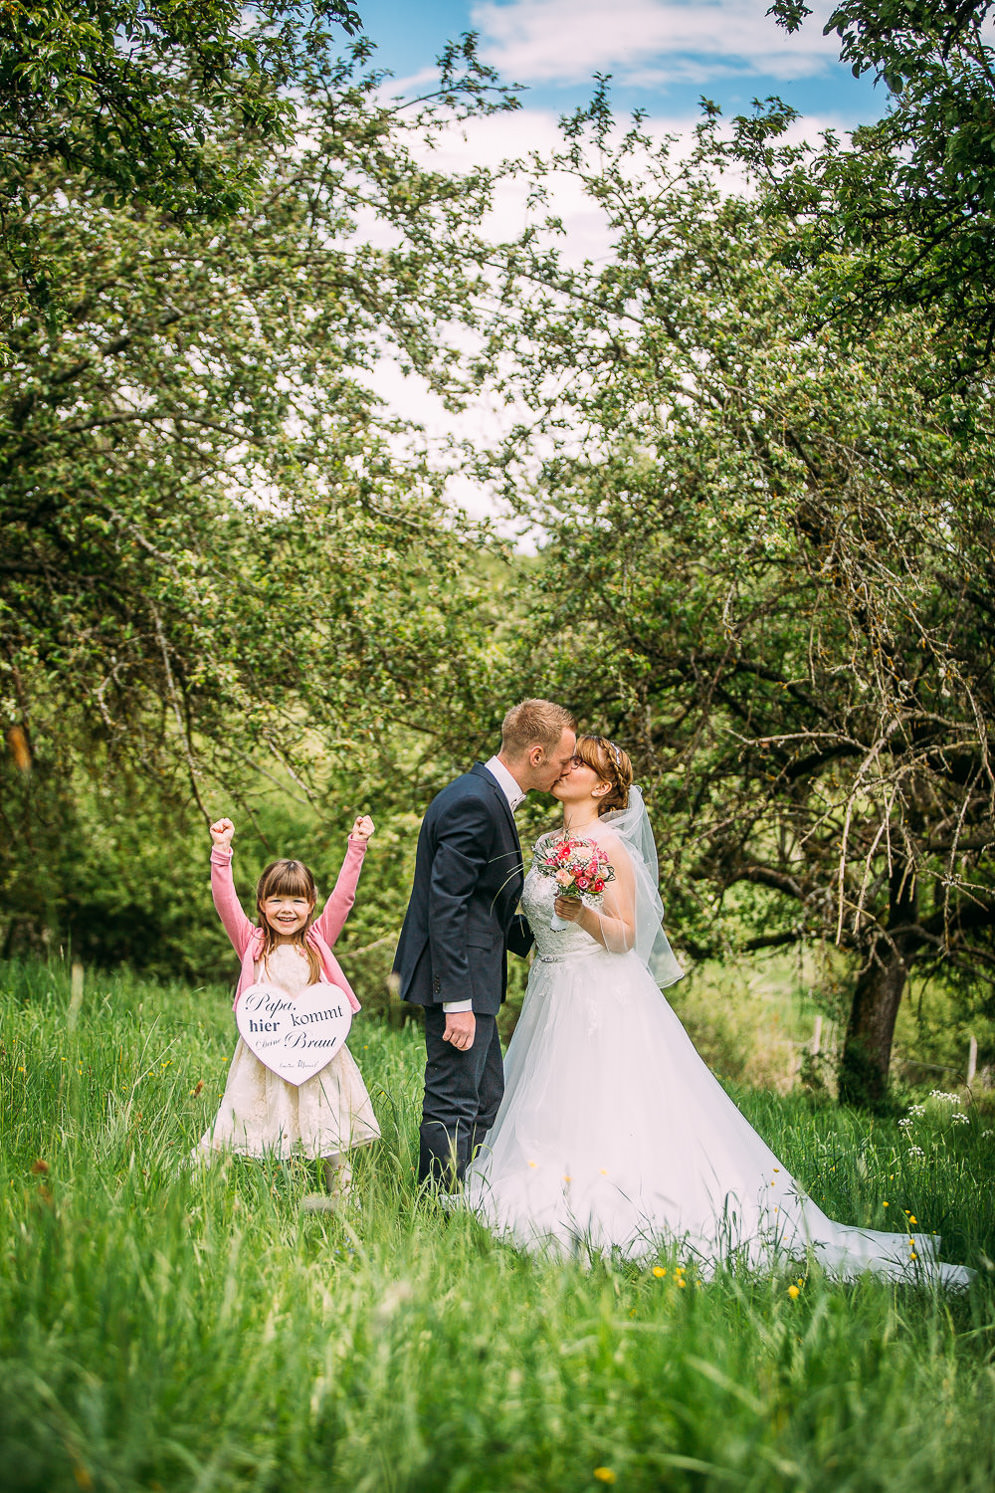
295,1036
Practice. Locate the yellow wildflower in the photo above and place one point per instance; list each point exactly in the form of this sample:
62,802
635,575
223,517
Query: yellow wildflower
659,1272
604,1474
793,1292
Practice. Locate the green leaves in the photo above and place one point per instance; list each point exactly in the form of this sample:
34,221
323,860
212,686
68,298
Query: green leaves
912,192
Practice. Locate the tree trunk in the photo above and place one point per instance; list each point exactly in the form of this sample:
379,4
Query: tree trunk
876,998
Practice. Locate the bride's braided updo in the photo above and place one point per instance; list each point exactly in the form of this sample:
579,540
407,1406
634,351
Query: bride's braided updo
612,766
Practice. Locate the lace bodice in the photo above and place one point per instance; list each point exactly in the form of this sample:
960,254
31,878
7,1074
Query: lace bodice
286,967
553,945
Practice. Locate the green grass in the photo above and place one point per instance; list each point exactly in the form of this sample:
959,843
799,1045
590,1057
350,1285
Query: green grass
188,1330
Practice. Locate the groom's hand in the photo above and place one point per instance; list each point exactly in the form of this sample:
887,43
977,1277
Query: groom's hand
461,1028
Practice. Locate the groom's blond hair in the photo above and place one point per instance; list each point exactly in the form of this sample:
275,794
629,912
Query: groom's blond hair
534,723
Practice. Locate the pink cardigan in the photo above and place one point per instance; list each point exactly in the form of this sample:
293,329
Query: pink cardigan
248,939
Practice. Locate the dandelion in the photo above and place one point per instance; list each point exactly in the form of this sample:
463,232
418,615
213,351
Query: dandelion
793,1292
604,1474
659,1272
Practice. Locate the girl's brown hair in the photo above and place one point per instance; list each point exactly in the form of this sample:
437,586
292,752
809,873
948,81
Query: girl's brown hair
612,766
288,879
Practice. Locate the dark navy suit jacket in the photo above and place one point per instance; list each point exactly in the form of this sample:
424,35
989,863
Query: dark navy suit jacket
461,918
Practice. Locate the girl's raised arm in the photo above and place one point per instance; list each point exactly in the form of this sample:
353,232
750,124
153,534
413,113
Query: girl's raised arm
339,904
236,924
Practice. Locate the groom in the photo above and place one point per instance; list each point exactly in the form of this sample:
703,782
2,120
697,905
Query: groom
461,919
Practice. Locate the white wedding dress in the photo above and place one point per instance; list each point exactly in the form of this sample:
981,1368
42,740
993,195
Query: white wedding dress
614,1135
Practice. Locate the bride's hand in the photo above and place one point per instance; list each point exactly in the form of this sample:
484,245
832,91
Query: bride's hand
568,908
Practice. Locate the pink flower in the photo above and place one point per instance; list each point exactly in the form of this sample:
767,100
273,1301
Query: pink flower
583,882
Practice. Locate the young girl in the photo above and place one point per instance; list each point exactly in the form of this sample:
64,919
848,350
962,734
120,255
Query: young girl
262,1114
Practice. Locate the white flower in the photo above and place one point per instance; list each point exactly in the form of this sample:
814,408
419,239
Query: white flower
960,1119
986,1133
903,1123
944,1098
917,1110
916,1151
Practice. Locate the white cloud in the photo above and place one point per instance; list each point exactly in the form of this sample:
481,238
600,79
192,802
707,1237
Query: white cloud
647,42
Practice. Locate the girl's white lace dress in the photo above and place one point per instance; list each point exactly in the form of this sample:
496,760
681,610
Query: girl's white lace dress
263,1115
613,1134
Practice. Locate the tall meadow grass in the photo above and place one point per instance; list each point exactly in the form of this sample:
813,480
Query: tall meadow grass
172,1327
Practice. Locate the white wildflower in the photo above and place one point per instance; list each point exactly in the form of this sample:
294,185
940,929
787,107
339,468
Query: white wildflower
960,1119
903,1123
916,1151
944,1098
917,1110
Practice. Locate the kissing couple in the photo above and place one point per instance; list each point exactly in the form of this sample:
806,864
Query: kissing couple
605,1131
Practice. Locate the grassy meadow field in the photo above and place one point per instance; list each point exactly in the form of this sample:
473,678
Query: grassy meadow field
169,1328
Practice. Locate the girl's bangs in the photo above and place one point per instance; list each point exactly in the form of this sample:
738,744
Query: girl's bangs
286,879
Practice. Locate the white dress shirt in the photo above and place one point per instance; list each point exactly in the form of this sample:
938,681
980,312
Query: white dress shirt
514,794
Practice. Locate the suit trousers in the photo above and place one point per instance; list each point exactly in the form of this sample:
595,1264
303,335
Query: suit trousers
463,1091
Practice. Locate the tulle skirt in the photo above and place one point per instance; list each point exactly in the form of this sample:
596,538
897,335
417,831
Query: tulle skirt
614,1136
263,1115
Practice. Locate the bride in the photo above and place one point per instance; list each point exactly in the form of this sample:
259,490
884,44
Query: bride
613,1134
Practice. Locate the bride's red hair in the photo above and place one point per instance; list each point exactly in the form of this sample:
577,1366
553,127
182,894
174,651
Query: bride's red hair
612,766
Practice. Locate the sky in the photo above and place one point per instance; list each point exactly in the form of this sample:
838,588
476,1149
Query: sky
663,55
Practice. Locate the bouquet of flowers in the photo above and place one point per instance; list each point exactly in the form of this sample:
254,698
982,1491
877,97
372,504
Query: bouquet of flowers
578,865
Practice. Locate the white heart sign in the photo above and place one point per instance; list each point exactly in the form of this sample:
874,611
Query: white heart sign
295,1036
